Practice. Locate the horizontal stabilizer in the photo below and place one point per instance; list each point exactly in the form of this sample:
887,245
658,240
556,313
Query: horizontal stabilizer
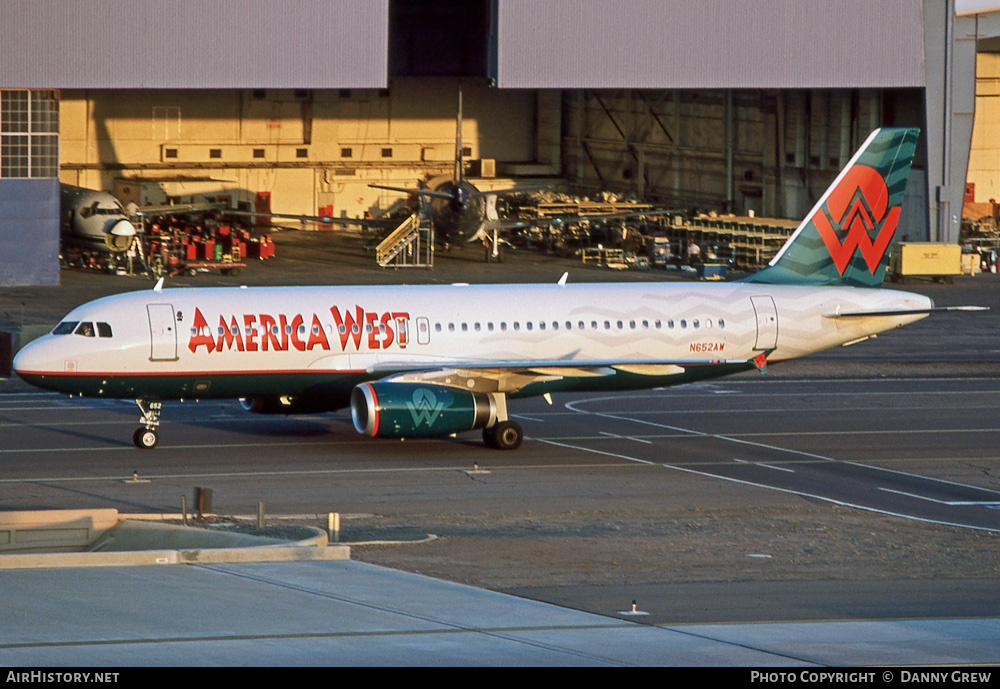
902,312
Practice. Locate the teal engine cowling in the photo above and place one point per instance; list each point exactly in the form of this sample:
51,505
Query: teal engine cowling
417,410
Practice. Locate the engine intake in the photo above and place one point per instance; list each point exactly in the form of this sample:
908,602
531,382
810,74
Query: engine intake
416,410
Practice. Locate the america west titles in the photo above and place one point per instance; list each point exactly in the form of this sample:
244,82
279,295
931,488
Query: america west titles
251,332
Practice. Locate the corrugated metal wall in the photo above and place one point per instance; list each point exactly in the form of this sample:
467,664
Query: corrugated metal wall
710,44
193,43
29,232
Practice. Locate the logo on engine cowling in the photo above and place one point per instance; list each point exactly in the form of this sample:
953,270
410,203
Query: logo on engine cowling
424,407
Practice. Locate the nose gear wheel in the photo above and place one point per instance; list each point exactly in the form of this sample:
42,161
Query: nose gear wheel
145,438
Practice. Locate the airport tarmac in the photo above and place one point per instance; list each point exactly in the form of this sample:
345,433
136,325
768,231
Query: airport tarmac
817,503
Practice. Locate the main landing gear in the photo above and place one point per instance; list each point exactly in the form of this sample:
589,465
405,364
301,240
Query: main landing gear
145,438
503,435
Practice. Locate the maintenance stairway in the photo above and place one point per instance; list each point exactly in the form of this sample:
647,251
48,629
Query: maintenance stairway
411,245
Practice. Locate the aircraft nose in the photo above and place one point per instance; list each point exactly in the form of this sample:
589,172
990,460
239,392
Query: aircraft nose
35,359
123,228
26,359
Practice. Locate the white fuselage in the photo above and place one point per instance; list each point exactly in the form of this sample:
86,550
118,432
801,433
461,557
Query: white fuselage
283,340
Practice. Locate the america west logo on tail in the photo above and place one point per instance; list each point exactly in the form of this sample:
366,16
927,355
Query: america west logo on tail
861,217
845,238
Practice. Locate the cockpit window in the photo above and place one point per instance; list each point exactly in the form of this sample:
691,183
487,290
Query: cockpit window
65,328
86,329
103,330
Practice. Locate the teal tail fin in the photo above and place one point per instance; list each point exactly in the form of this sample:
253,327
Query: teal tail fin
845,238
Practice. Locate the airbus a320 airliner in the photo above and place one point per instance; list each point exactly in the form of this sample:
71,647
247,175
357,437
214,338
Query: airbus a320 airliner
436,360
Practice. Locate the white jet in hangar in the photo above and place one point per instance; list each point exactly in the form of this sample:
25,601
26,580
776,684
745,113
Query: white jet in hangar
93,223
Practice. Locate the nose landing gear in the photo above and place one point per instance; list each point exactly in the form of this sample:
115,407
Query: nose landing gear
145,438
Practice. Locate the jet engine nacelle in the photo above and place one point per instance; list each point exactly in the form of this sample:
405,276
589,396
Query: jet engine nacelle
409,410
273,404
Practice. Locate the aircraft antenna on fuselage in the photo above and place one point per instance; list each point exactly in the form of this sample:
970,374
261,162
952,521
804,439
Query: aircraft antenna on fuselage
158,287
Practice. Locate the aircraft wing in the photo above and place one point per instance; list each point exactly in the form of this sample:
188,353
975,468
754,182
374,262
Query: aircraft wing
415,192
326,219
511,190
226,210
512,376
182,208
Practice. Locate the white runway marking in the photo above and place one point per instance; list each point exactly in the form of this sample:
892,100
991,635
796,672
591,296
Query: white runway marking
766,466
627,437
765,486
578,404
949,503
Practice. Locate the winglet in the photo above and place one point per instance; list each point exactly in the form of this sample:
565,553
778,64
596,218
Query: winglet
562,280
159,285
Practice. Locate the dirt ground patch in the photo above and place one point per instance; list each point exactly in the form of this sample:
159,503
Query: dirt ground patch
624,546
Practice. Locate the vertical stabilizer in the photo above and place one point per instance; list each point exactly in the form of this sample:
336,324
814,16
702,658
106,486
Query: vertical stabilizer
845,238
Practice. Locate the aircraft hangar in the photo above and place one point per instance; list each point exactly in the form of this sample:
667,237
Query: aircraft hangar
296,107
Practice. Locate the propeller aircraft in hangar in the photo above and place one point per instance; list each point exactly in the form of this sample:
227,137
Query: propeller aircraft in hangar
431,361
456,208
